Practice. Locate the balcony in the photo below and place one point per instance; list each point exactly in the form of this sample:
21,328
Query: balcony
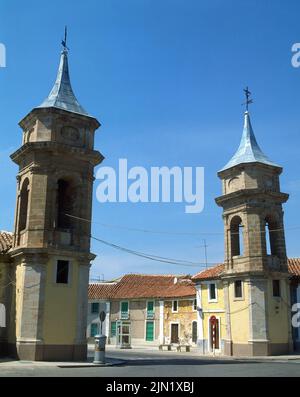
150,315
124,315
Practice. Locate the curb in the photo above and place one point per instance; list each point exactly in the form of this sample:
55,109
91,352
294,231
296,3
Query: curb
91,365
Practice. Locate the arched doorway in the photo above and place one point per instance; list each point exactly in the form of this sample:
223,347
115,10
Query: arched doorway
214,334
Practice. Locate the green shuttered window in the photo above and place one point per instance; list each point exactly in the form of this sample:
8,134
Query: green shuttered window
113,329
94,330
149,331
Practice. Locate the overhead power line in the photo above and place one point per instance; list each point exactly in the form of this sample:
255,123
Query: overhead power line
177,233
152,257
131,229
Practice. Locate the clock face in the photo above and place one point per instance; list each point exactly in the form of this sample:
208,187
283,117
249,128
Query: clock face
233,184
70,133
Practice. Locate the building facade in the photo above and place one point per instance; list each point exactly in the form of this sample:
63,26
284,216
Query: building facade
49,259
211,303
146,310
294,270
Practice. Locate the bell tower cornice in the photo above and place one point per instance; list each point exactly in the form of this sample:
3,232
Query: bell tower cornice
92,156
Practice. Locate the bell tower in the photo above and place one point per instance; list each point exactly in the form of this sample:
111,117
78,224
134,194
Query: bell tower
51,249
253,214
256,274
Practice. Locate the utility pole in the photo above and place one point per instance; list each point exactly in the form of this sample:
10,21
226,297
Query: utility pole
205,251
205,246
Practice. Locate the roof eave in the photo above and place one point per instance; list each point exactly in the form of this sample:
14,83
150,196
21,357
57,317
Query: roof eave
227,170
25,120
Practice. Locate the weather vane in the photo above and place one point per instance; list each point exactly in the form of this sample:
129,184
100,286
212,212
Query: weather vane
248,100
64,42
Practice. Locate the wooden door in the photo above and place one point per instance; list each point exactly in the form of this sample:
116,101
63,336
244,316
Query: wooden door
194,331
217,335
174,333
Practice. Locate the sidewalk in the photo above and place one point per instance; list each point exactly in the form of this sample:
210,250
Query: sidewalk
149,352
10,363
196,352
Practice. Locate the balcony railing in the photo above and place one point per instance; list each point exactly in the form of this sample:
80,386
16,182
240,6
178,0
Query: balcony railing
150,315
124,315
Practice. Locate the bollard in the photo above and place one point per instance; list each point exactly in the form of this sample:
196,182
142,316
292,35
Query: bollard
100,341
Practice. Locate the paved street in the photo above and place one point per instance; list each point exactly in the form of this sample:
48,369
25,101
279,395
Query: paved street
147,363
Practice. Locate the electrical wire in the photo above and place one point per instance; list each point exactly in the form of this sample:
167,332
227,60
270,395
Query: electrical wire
140,230
177,233
156,258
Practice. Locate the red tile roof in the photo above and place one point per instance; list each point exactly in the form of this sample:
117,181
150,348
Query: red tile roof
294,266
101,290
133,286
216,271
212,272
6,240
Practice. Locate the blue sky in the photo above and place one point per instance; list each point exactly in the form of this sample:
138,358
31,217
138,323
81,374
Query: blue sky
165,78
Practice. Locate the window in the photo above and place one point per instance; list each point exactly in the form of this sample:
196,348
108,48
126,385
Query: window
65,204
272,237
195,304
94,329
62,272
238,289
24,195
124,334
95,308
149,331
150,309
113,329
124,310
212,292
276,288
236,236
175,306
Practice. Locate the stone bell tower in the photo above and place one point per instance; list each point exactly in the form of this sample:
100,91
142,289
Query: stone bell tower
256,275
51,249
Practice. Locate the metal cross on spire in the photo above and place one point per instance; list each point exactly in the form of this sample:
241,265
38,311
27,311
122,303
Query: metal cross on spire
64,41
248,100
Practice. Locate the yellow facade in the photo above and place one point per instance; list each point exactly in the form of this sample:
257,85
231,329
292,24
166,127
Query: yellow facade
239,314
59,321
279,314
184,317
211,308
238,318
19,301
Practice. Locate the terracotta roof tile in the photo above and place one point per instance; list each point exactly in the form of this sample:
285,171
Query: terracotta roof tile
6,240
216,271
133,286
101,290
294,266
212,272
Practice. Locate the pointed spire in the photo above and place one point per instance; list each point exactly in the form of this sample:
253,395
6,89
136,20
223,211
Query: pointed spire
249,150
62,95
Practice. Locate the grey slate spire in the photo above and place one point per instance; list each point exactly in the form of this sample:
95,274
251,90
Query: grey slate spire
249,150
62,95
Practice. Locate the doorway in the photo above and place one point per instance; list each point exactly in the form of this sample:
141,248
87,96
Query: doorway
217,334
174,333
194,332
